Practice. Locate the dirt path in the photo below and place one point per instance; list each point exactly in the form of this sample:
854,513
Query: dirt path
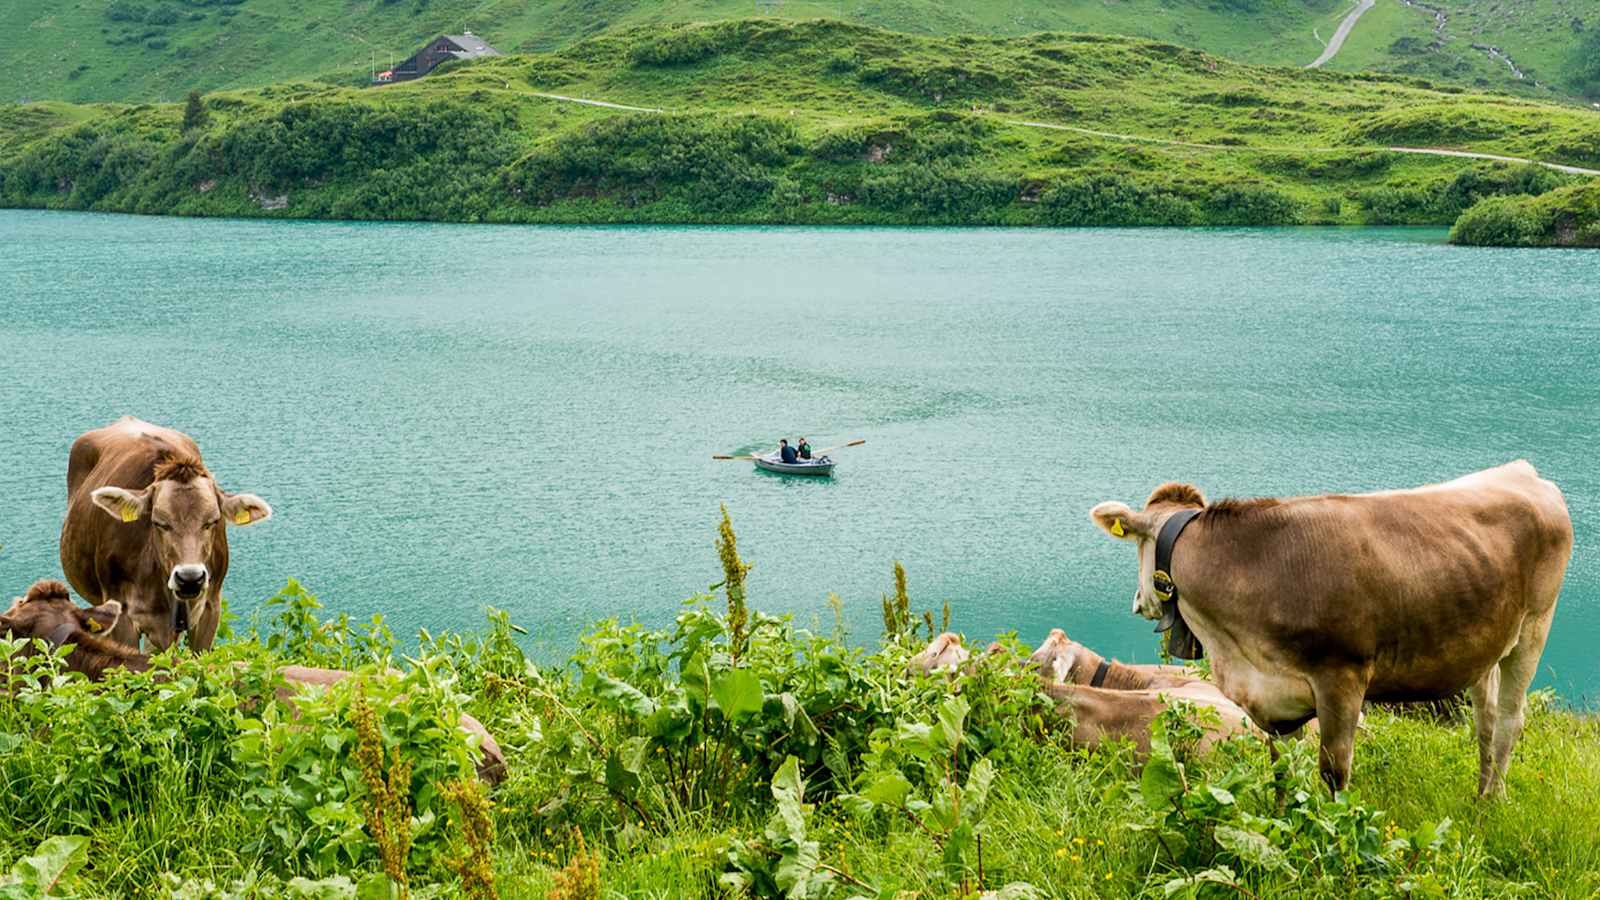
1423,151
1134,138
603,103
1337,41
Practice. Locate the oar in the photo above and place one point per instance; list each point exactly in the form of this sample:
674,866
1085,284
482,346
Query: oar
725,456
855,443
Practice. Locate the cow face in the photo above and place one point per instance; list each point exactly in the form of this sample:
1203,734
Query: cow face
1056,657
47,612
186,517
1140,528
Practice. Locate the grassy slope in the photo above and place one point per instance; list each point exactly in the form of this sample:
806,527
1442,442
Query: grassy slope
75,51
1538,35
827,94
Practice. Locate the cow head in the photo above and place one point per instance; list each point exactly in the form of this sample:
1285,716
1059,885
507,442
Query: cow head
48,613
1056,657
1141,529
186,513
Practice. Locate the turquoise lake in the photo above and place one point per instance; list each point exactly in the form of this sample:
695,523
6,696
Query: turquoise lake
448,417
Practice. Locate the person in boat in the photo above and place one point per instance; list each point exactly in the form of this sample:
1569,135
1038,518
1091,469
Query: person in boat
804,449
786,453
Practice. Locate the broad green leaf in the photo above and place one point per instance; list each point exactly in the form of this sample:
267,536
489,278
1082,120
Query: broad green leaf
56,860
737,693
797,720
888,788
624,695
1251,848
952,716
976,793
798,868
1162,779
376,886
619,779
787,780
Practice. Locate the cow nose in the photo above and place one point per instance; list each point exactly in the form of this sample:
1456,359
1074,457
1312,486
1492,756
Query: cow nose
189,581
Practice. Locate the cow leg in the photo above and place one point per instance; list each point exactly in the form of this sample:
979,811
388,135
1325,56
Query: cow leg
1516,673
1485,709
1338,695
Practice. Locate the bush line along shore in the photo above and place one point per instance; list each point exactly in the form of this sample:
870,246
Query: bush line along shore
819,122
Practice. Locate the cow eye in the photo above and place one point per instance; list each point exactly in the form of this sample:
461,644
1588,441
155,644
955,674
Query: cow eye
164,526
208,525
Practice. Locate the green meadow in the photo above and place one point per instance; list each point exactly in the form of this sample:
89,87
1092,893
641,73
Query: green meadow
731,754
155,50
773,121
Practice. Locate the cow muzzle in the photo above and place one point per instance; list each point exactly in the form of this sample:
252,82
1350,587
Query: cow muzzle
188,582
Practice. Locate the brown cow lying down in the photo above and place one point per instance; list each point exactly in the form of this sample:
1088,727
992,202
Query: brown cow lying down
48,613
1101,714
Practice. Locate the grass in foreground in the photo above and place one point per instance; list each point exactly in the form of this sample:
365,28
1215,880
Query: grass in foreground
733,755
812,123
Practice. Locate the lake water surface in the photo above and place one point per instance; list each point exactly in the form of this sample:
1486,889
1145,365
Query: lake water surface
447,417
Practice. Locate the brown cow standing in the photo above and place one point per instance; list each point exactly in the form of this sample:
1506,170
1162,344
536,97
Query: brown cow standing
1310,605
147,526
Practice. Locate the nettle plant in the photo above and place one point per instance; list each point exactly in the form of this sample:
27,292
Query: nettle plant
669,723
1227,830
310,790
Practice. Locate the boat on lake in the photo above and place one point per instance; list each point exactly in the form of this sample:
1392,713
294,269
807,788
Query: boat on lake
822,466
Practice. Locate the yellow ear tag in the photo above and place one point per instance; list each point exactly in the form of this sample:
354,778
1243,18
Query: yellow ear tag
130,513
1116,528
242,517
94,624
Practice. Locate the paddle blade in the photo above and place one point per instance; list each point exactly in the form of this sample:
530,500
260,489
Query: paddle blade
720,456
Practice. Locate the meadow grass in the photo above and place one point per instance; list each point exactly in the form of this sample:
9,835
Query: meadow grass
155,50
605,748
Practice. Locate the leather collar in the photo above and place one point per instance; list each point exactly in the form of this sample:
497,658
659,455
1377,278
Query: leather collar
1165,588
1100,674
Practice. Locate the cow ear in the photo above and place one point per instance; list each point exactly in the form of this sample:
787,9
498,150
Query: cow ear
102,618
126,505
1120,521
244,509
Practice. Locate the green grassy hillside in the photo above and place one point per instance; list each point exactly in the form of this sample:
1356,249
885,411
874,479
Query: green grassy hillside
773,121
152,50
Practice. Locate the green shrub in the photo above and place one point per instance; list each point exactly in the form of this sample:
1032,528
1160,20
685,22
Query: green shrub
1504,222
710,163
1114,200
684,45
1251,205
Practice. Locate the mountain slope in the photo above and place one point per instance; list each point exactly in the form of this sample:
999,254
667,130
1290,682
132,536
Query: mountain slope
159,49
770,121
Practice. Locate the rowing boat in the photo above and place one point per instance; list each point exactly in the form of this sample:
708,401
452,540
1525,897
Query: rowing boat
821,466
